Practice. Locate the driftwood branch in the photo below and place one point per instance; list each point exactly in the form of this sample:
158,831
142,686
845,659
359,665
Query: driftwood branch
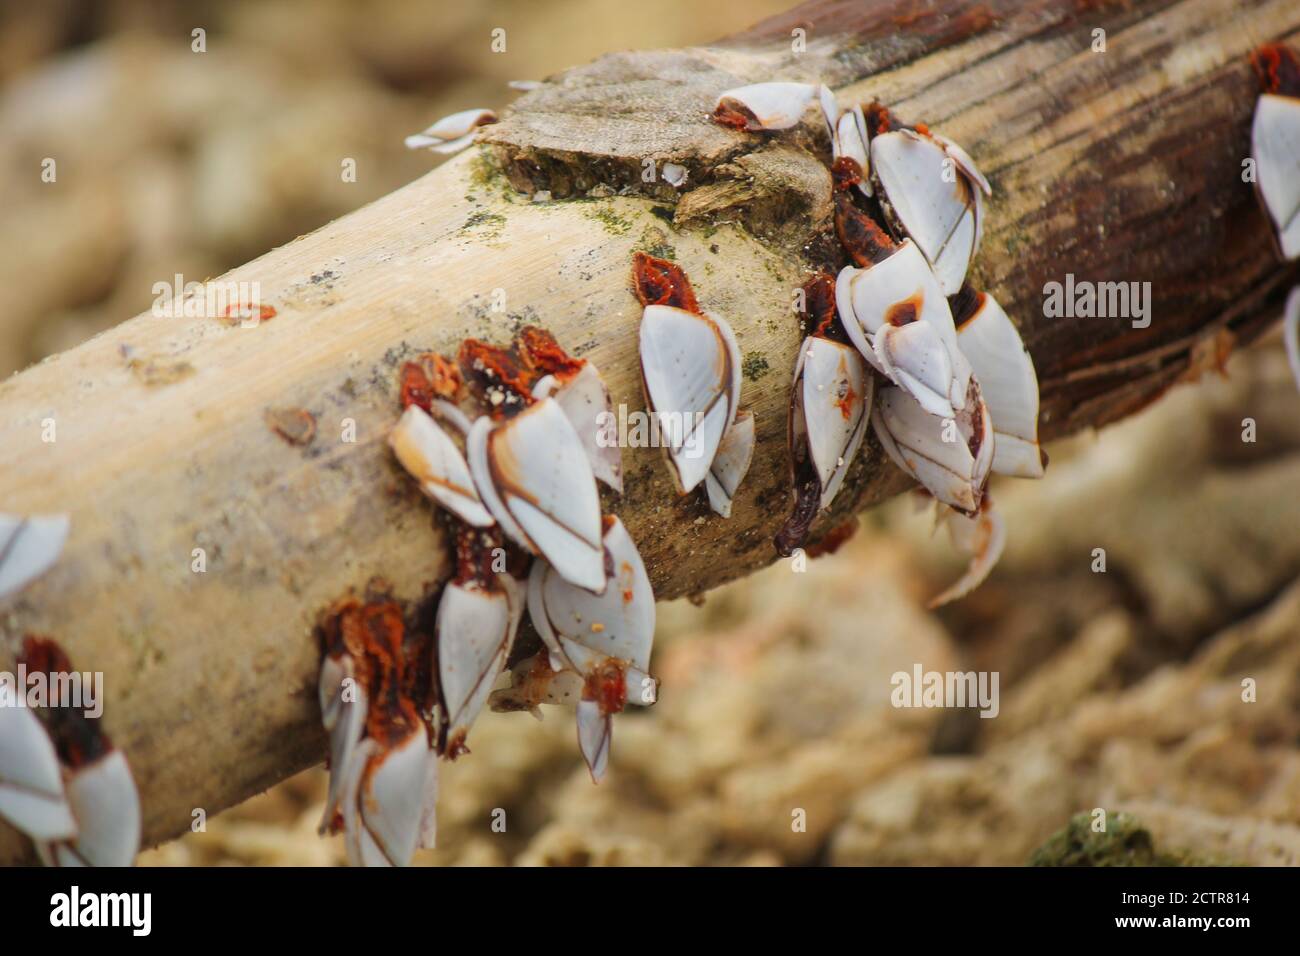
180,433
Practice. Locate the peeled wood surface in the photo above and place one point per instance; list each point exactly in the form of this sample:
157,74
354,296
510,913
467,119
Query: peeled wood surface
1116,166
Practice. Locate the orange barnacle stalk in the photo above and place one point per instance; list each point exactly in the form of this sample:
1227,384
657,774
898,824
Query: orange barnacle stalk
819,305
860,235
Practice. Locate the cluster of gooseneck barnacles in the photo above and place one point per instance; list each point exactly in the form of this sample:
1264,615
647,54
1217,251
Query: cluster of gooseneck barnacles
62,782
898,336
509,442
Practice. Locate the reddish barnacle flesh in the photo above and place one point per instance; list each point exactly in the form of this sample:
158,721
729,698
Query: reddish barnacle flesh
456,746
429,377
844,402
417,675
544,355
477,551
904,312
607,686
1278,69
879,119
846,173
977,423
504,376
728,116
497,376
373,633
965,304
660,282
865,242
43,655
77,738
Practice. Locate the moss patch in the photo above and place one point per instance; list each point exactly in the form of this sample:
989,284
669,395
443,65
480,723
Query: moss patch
755,366
613,223
1125,842
492,223
655,242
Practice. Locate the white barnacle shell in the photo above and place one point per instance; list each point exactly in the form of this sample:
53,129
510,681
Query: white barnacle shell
675,174
452,133
830,108
385,800
1009,386
435,461
428,838
730,464
585,401
343,706
915,357
1275,146
769,106
829,408
533,474
474,631
928,194
982,538
964,162
599,637
1291,332
32,797
28,547
690,366
950,456
595,732
106,805
879,307
618,623
850,139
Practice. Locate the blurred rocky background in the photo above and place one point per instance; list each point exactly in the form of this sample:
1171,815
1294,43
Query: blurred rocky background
1164,690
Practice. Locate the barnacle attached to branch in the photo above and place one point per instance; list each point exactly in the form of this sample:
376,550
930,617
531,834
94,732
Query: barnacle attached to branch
691,371
1275,144
393,699
96,779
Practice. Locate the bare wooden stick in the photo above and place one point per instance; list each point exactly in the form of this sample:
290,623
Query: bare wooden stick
261,452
